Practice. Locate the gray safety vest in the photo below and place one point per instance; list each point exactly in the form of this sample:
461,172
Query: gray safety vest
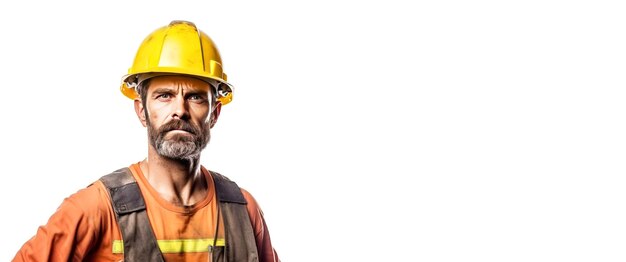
140,244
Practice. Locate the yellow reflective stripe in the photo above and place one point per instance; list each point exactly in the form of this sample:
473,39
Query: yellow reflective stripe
177,245
118,247
187,245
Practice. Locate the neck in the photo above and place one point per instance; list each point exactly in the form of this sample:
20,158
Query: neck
180,182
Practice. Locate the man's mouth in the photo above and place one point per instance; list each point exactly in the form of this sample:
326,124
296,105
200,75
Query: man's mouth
179,131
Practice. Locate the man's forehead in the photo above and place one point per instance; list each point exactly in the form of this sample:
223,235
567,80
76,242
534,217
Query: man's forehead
178,81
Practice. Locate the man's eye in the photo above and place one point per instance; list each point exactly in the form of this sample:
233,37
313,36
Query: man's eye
196,97
164,96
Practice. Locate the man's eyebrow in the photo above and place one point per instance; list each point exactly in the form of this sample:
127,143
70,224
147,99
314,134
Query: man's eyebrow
198,92
164,90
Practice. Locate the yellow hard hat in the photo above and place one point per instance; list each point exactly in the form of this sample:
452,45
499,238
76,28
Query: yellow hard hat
179,48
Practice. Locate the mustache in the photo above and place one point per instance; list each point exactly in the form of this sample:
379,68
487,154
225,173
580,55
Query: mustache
177,124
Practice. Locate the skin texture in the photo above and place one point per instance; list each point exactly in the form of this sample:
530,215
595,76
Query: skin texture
179,112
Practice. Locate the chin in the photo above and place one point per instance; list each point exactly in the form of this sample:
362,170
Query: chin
178,150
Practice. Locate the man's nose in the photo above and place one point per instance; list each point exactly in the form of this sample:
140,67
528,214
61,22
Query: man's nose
180,110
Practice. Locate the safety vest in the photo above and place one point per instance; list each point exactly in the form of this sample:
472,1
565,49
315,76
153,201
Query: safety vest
139,241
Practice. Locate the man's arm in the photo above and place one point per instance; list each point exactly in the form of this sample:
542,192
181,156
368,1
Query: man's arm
267,253
70,232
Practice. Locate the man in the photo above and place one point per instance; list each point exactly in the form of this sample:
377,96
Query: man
167,207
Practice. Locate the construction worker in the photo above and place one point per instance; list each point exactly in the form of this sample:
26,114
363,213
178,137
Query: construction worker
167,207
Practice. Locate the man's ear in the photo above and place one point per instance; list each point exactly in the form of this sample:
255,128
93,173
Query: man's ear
216,113
139,109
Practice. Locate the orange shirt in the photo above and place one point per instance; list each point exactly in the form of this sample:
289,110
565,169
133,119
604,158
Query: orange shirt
84,227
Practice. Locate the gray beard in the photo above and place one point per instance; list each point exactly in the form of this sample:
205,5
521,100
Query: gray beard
178,150
179,147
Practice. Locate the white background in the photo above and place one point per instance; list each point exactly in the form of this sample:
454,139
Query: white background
368,131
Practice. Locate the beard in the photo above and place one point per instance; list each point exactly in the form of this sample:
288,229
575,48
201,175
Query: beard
177,146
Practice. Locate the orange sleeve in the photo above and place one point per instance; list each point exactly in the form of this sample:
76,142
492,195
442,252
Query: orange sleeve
267,253
71,231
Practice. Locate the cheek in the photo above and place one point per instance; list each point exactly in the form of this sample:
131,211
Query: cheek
157,113
200,114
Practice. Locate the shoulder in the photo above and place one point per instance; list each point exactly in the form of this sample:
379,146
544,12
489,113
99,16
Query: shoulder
252,205
93,198
249,198
254,210
88,210
90,205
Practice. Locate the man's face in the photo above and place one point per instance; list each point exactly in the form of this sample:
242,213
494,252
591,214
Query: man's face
179,113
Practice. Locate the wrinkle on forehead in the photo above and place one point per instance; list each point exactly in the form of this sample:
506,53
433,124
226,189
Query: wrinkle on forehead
182,84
